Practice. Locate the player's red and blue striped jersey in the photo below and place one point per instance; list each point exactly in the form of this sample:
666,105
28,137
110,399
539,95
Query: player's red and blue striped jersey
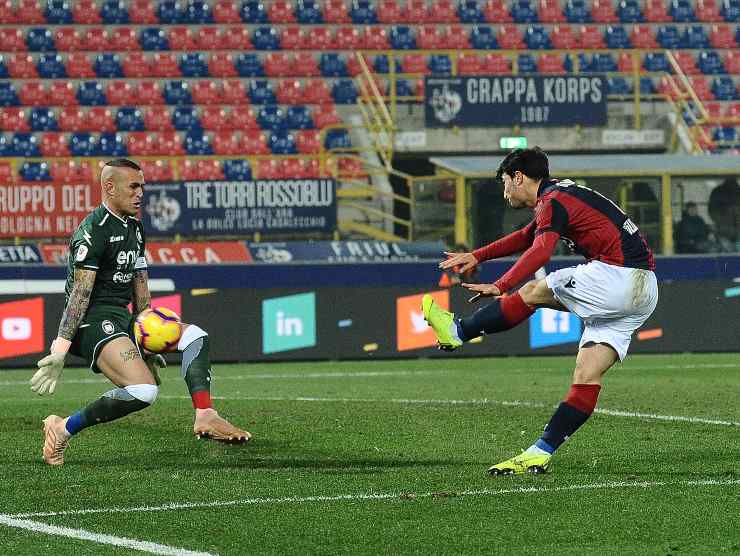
590,223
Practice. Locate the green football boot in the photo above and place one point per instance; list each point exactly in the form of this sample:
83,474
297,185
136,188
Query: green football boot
441,322
521,464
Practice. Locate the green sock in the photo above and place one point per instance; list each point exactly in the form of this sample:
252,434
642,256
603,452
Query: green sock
196,370
111,406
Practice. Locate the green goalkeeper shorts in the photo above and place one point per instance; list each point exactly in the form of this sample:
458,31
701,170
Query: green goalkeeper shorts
101,324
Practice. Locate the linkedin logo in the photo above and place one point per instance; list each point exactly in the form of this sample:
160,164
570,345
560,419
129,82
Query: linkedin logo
289,322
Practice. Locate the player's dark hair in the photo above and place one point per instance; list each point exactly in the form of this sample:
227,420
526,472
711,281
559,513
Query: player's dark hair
123,163
530,162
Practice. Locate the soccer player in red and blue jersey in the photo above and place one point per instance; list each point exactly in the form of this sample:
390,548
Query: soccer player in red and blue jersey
613,292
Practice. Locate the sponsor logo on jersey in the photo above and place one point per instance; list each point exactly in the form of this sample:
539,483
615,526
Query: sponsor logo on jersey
126,258
107,327
122,277
81,253
114,239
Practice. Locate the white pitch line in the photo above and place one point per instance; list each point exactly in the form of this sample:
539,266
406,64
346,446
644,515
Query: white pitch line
381,496
142,546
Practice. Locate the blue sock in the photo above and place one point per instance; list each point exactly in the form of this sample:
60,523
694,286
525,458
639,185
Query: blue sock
75,423
542,445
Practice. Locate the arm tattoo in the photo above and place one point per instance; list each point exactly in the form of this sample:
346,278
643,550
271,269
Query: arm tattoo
79,299
142,297
130,354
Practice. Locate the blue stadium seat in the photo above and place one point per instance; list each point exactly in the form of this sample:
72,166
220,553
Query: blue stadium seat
112,144
381,64
337,139
266,38
253,12
114,12
647,87
668,36
108,66
298,117
727,134
629,12
3,69
603,63
193,65
363,12
272,117
40,39
6,145
710,62
724,88
153,38
282,142
402,38
333,65
261,92
51,66
440,64
8,94
618,86
185,118
616,37
249,65
169,12
523,12
730,10
482,37
90,93
35,171
82,144
403,88
42,119
527,64
57,12
584,63
198,143
681,11
656,61
470,12
694,37
536,38
308,12
237,170
129,119
344,92
197,12
177,92
576,11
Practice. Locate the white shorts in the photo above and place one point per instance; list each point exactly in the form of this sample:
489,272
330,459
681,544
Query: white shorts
612,301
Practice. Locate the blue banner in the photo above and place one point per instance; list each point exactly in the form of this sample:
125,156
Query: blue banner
19,254
359,251
521,100
213,208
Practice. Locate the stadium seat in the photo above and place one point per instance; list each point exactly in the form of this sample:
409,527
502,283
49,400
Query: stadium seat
62,93
185,118
616,37
209,38
269,169
320,38
602,11
42,119
626,63
308,12
536,38
114,12
221,64
325,115
523,12
150,93
95,39
253,141
710,63
57,12
261,92
686,62
206,92
317,91
656,62
198,143
95,119
249,65
197,12
732,62
681,11
271,117
253,12
550,12
82,144
51,66
483,38
66,39
34,93
14,119
694,37
140,143
266,38
333,65
136,64
29,12
40,39
180,38
389,12
120,93
3,68
656,12
307,141
169,12
428,38
61,170
13,40
193,65
414,63
376,38
510,38
237,170
108,66
591,37
177,92
564,38
293,37
708,11
234,92
494,11
289,91
85,12
282,142
129,119
337,139
642,36
280,11
351,168
24,144
158,118
629,11
527,64
112,145
298,117
336,11
415,12
723,88
305,65
439,64
237,38
22,66
349,38
34,171
618,85
496,64
550,63
468,11
142,12
721,36
156,170
153,38
402,37
363,12
443,11
215,118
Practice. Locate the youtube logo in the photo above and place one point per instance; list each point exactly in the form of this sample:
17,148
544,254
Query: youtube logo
21,327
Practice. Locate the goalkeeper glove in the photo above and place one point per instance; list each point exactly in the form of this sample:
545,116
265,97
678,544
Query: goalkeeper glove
155,362
44,381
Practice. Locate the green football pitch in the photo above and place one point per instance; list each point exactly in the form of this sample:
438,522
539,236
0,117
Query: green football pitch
385,457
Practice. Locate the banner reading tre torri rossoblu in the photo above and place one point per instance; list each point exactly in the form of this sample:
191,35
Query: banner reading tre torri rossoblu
236,207
508,100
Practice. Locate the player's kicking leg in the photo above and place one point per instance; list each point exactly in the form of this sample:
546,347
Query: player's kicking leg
120,361
196,370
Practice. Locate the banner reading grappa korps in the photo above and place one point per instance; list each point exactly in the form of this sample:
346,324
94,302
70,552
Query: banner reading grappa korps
235,207
508,100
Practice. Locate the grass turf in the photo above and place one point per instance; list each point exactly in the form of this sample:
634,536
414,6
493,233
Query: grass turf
417,438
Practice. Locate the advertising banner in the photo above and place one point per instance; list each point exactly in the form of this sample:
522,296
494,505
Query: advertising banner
20,254
515,100
359,251
44,209
230,208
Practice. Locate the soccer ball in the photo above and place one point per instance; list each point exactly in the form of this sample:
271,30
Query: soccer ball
158,330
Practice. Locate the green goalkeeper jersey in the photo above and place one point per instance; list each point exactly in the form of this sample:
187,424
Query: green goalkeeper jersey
114,248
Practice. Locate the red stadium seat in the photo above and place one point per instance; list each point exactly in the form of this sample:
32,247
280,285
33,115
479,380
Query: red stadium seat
180,38
62,93
625,64
136,64
563,37
324,115
237,38
469,64
414,63
71,118
100,119
415,12
85,12
732,62
376,38
294,168
701,87
687,62
317,91
221,64
188,170
254,142
321,38
353,65
289,91
165,64
124,39
62,171
226,12
350,38
120,93
270,169
215,118
67,39
14,118
12,39
206,92
143,12
203,170
351,168
95,39
714,109
550,63
150,93
550,12
209,38
336,11
278,64
308,141
294,38
643,36
234,92
22,66
510,38
389,11
495,12
455,37
158,118
7,13
496,64
241,118
602,11
281,11
33,93
140,143
305,65
54,144
708,10
428,38
226,143
29,12
157,170
655,12
170,143
592,37
443,11
722,36
733,110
